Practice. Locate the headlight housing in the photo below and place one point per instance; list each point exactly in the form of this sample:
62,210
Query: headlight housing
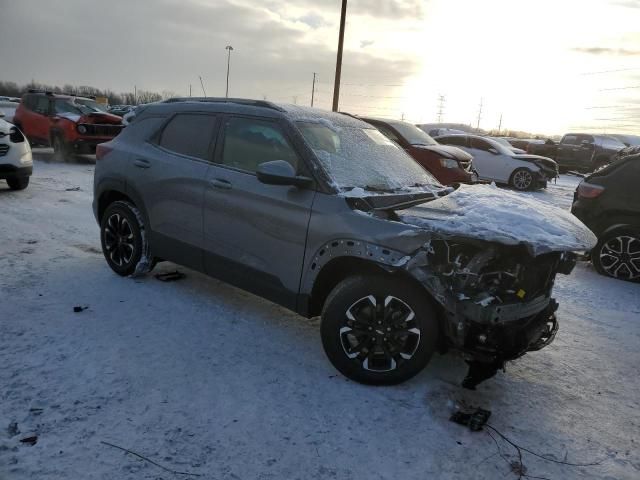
82,129
448,163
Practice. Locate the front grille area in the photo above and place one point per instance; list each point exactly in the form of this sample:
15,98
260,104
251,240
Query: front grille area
4,149
102,130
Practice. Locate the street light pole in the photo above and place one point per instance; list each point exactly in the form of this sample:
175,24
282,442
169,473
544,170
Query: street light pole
336,85
229,48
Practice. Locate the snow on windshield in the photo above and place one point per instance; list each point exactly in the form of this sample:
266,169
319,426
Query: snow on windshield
489,213
358,159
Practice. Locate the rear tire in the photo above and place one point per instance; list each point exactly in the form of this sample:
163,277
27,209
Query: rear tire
617,254
522,179
124,241
60,149
378,330
18,183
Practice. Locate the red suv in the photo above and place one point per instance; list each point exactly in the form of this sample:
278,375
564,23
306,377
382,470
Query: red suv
68,123
448,164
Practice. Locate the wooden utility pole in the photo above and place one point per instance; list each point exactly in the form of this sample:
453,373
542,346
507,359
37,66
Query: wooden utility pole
479,114
313,88
336,85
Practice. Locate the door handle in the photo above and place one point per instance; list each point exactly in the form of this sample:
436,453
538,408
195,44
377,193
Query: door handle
142,163
221,184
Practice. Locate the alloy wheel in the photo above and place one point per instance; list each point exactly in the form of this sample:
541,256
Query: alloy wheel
620,257
380,333
522,179
119,239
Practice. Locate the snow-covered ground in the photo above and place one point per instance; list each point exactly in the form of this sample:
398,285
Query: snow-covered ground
203,378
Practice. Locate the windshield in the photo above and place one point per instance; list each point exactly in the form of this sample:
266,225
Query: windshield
413,134
364,158
91,105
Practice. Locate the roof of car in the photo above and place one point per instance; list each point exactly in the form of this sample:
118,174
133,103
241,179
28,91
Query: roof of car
256,107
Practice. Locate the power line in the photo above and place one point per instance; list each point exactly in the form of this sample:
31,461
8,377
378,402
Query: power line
618,88
610,71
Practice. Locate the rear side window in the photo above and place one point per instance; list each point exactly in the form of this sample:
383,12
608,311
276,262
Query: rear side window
249,142
189,134
42,105
480,144
30,102
459,141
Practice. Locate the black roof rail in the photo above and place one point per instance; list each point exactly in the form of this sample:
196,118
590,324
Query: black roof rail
239,101
352,115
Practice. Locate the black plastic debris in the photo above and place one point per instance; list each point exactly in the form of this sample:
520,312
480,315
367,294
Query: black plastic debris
30,440
72,189
78,308
170,276
474,420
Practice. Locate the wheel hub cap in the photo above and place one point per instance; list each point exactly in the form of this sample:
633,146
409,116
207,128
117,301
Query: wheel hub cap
380,333
118,239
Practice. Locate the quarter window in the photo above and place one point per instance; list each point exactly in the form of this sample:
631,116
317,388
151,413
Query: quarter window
42,105
189,134
250,142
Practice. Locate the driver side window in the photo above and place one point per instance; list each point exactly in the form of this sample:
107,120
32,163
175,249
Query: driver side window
249,142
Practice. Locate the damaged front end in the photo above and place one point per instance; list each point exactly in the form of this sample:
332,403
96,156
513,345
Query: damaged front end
496,298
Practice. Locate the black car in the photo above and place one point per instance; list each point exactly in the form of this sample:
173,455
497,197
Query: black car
608,202
586,152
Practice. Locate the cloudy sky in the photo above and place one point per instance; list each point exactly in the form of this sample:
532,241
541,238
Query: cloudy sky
544,65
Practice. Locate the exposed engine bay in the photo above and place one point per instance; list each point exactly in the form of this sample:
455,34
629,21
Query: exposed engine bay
496,299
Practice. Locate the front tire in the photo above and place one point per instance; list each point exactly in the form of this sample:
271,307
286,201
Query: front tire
378,330
124,241
18,183
522,179
617,254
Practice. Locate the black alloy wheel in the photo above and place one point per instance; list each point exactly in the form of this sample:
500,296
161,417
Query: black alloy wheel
378,329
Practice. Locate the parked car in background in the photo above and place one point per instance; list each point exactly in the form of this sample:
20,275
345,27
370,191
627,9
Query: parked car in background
586,152
16,164
448,164
9,109
506,143
321,213
120,110
547,148
68,123
608,202
495,162
628,140
523,143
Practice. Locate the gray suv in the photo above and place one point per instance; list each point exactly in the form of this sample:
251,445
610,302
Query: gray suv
321,213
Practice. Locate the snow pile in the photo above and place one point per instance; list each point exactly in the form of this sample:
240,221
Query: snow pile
487,212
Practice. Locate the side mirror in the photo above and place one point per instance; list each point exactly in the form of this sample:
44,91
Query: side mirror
494,151
279,172
1,113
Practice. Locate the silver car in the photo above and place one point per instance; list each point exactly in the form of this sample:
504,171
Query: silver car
321,213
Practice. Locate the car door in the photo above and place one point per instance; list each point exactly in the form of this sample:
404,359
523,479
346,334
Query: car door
254,233
35,118
489,162
170,174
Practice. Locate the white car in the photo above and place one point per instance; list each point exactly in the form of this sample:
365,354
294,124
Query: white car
16,164
497,163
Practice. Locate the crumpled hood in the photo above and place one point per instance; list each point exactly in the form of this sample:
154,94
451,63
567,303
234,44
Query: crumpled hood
486,212
546,161
97,117
446,151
